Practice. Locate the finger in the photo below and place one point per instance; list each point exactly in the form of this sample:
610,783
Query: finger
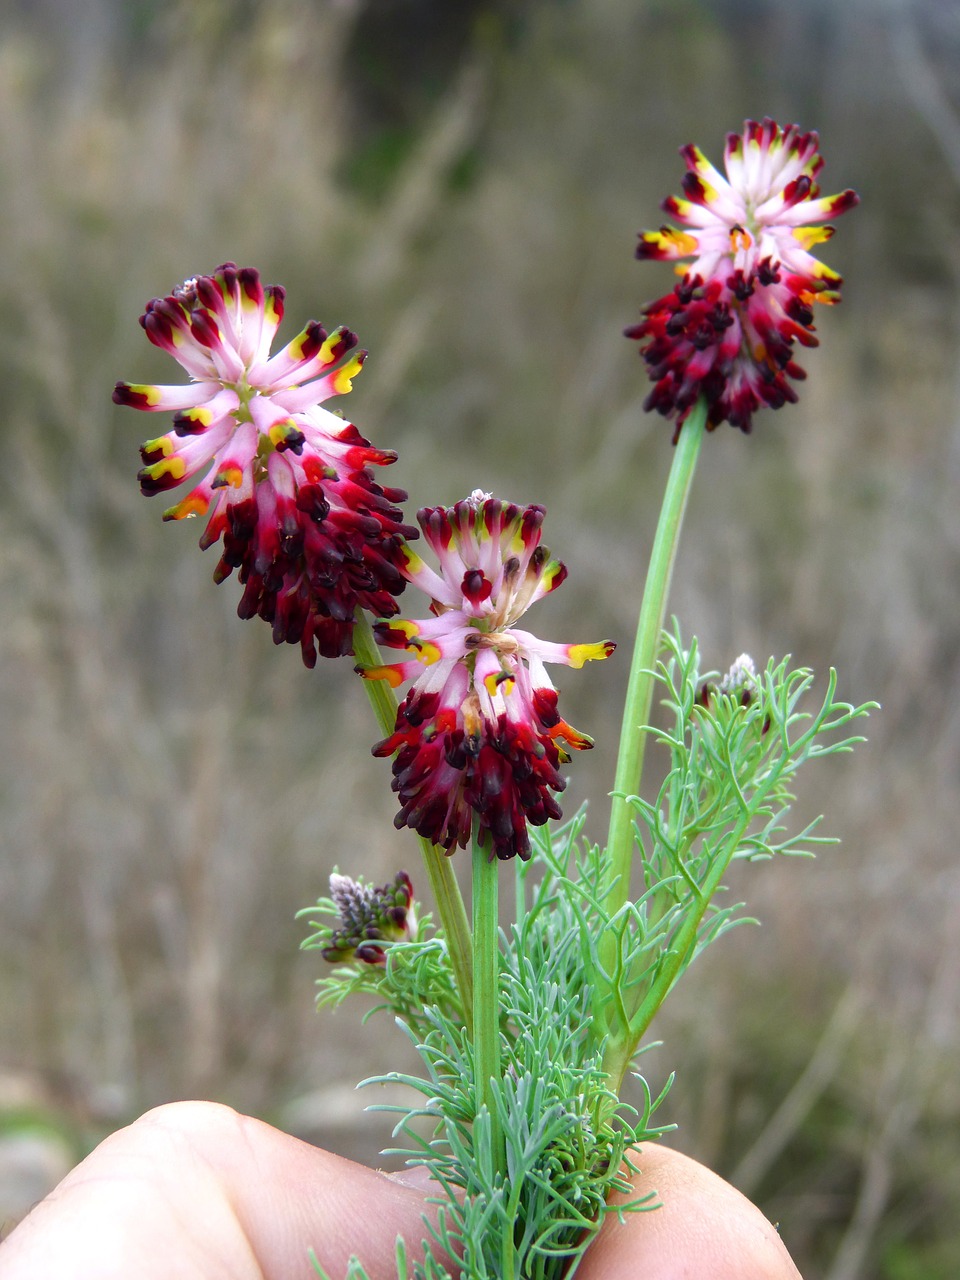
197,1191
704,1228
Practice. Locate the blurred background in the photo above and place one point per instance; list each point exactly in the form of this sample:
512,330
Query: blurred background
462,184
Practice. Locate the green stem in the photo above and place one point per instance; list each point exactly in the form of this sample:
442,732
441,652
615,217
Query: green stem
621,1048
486,994
453,918
636,711
380,692
439,868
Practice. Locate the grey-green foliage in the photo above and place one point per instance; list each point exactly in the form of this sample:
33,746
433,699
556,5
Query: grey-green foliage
567,1039
568,1138
726,797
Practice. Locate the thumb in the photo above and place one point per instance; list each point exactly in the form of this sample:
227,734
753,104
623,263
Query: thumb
703,1228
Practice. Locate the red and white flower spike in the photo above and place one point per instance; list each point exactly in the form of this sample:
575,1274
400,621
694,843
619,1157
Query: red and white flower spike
728,329
479,732
288,485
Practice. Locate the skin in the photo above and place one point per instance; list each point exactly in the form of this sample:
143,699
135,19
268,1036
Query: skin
196,1191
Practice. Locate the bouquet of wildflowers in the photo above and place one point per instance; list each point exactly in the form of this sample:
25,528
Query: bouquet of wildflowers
527,1027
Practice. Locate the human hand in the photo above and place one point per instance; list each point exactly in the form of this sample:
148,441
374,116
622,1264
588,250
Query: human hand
194,1191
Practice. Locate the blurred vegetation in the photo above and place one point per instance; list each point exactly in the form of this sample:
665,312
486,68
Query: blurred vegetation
462,184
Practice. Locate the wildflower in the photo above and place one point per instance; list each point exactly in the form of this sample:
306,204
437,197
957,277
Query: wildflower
740,683
288,485
369,918
738,699
478,735
728,329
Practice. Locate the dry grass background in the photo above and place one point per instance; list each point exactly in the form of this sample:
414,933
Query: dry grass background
462,186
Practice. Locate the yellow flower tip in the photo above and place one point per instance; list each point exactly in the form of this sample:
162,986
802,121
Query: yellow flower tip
424,651
700,162
581,653
192,505
406,626
670,241
149,394
173,466
823,272
554,575
412,562
198,417
500,681
227,477
270,311
298,344
809,237
393,675
162,445
285,432
332,348
702,167
740,238
342,380
427,652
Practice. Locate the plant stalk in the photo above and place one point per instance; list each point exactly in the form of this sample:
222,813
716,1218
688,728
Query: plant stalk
636,711
439,868
486,994
620,1049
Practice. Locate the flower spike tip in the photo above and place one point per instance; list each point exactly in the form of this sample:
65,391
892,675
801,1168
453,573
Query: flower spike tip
748,281
478,735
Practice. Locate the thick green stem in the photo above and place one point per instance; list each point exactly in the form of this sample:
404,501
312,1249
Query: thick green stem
636,712
486,994
443,880
453,918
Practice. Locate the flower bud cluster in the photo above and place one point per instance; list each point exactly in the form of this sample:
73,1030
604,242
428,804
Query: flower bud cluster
369,918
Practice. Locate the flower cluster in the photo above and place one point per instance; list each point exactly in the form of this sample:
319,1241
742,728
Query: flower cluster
288,485
478,736
369,918
740,683
727,330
